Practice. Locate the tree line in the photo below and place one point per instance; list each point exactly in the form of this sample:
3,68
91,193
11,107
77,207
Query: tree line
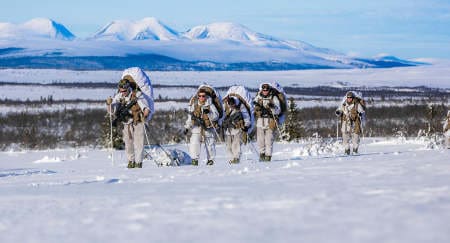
91,127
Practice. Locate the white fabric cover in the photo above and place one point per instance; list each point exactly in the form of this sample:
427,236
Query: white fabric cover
145,85
243,92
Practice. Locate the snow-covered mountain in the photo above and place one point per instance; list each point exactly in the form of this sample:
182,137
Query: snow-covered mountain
226,31
36,28
216,46
145,29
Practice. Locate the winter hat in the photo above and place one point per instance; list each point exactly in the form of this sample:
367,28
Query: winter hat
350,94
265,86
124,84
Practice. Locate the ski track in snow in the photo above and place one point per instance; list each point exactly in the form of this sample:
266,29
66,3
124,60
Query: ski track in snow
394,191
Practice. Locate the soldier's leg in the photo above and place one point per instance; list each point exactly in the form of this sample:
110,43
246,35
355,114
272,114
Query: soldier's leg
355,142
260,139
194,145
228,141
346,141
210,144
138,140
127,134
236,144
269,141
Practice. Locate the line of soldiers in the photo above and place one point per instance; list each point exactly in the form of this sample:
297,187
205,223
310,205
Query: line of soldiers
133,110
203,118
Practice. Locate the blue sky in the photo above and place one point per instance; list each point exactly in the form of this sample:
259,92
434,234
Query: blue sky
404,28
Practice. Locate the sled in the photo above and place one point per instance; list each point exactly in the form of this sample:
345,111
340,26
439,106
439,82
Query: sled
166,157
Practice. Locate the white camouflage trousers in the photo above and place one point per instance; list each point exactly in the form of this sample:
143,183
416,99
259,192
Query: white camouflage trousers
233,141
264,138
447,139
133,136
348,134
195,143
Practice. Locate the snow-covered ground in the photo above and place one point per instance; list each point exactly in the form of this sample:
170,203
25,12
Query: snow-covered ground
394,191
433,76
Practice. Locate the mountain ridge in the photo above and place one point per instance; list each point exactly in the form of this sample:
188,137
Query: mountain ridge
223,44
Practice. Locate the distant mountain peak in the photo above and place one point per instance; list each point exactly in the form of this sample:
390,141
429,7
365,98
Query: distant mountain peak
148,28
36,28
224,31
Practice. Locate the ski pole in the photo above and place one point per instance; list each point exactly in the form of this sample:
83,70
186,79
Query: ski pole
276,123
148,143
177,162
253,146
111,135
337,129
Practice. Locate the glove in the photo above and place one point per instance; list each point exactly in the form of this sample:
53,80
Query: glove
109,101
185,132
205,110
271,105
245,129
338,113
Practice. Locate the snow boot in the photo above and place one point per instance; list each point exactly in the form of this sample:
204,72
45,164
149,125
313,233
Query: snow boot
268,158
210,162
131,164
262,157
355,150
234,161
347,151
195,162
139,165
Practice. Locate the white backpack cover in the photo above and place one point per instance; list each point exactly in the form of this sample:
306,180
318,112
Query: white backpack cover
282,97
244,96
216,100
145,86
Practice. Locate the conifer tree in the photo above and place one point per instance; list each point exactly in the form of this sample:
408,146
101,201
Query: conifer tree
293,127
106,134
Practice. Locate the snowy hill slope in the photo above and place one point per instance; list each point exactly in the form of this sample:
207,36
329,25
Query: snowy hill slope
35,28
395,191
145,29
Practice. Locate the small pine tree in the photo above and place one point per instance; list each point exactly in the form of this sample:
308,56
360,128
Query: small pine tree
293,127
106,134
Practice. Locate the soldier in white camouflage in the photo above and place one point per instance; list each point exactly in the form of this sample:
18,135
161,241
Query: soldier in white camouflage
267,109
351,112
203,116
447,130
130,108
236,122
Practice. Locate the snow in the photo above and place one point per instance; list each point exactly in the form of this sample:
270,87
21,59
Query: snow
433,76
35,28
392,192
145,29
222,42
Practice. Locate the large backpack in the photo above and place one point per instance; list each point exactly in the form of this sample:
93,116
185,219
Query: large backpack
244,97
360,101
278,91
141,82
216,100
